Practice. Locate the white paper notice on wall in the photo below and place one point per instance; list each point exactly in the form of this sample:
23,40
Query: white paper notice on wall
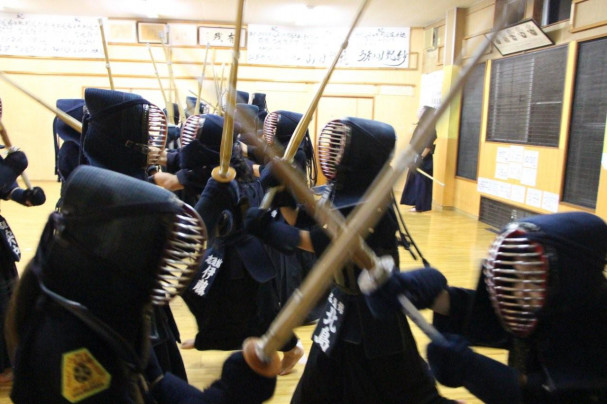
528,176
604,161
550,201
530,158
503,155
501,171
518,193
534,197
313,46
431,89
50,35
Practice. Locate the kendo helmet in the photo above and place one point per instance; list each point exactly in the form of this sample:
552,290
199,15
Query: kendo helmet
68,153
201,141
543,265
351,152
115,247
122,132
279,126
74,107
125,232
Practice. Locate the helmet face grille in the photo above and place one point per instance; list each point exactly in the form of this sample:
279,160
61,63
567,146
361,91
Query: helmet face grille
331,146
190,129
516,275
269,127
182,256
157,131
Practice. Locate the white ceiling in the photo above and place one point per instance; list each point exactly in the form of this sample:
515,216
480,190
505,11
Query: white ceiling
387,13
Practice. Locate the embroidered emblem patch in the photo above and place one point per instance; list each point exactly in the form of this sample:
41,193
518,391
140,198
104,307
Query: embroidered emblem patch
82,376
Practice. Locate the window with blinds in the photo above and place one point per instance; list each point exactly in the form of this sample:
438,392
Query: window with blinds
587,127
526,98
470,124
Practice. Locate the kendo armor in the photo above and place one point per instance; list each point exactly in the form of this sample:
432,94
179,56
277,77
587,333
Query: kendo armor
516,275
122,132
143,233
351,152
279,127
545,279
201,141
116,246
532,266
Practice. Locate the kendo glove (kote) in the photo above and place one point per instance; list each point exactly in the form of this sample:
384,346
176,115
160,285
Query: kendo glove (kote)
244,385
215,198
454,364
281,236
268,180
29,197
11,167
420,286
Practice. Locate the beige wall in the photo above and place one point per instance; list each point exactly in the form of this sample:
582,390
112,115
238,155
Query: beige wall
588,21
394,92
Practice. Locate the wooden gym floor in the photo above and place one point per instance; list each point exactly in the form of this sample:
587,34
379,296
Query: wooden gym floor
451,241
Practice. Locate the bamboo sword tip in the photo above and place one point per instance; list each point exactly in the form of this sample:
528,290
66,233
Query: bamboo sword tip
268,367
227,177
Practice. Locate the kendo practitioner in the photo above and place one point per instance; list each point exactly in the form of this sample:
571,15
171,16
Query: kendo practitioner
278,128
80,317
355,357
418,187
233,295
189,167
68,153
542,294
11,167
121,132
247,124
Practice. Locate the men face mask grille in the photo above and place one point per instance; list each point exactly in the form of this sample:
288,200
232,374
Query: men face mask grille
190,129
516,274
157,131
182,256
269,127
331,146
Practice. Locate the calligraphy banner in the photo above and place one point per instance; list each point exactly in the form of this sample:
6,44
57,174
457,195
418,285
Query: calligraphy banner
297,46
50,35
220,36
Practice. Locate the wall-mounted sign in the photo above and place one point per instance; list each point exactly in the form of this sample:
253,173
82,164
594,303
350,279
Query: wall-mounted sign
522,36
220,36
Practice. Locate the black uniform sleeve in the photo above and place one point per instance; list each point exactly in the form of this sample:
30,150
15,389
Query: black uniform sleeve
320,240
460,300
172,161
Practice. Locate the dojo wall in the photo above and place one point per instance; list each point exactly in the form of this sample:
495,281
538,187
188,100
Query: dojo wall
386,94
